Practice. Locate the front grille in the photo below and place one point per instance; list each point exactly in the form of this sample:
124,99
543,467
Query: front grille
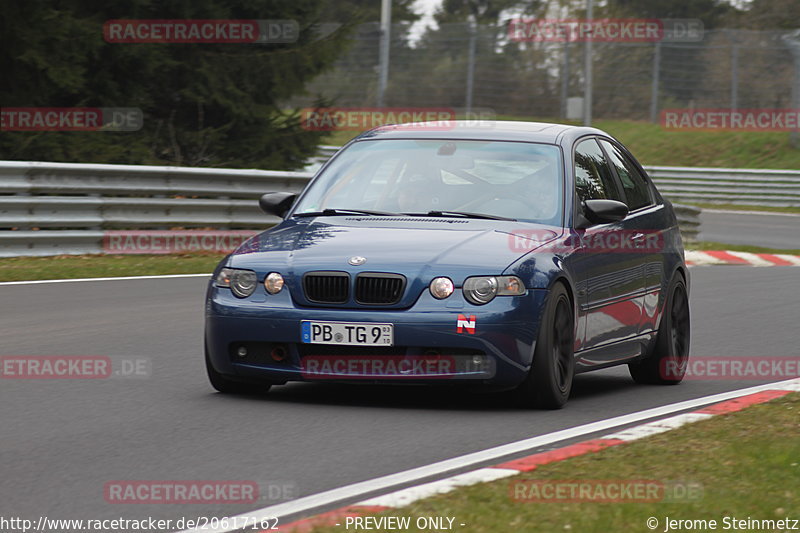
326,287
379,289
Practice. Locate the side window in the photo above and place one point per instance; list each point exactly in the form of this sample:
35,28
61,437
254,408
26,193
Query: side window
637,192
593,177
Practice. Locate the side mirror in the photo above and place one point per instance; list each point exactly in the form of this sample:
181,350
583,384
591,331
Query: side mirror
604,211
277,203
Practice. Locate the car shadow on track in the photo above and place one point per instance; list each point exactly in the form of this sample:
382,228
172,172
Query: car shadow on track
596,387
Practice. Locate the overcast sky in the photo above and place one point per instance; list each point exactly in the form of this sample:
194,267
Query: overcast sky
426,8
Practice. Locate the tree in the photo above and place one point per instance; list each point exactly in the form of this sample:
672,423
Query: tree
355,80
504,80
203,104
768,15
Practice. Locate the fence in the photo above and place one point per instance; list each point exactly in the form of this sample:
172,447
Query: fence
465,66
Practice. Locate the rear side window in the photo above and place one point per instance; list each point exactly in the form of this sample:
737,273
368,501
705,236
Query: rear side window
637,193
593,176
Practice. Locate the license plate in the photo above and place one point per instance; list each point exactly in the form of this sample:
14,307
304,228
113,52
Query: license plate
347,333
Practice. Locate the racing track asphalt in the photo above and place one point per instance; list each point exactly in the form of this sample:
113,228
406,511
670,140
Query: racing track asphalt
61,440
772,230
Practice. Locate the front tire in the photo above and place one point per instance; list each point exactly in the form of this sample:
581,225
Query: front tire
226,385
666,364
549,381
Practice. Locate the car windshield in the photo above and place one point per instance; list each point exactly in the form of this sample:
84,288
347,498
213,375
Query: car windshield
515,180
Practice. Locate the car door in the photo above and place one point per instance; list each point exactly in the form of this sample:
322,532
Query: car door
646,220
611,276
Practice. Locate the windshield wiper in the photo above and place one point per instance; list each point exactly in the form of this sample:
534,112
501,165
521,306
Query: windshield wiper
339,212
463,214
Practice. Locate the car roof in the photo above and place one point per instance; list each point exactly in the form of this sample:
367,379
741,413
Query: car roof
495,130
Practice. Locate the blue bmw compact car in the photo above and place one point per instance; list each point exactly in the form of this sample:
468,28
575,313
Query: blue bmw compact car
508,255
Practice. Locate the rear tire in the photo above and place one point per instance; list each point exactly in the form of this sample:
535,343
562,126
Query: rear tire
549,381
666,364
227,385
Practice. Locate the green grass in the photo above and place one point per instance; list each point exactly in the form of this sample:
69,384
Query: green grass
747,464
93,266
653,145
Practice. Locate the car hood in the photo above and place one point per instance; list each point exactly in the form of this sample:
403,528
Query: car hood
412,246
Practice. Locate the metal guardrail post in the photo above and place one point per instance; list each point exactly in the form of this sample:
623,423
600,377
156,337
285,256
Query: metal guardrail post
656,82
792,40
688,220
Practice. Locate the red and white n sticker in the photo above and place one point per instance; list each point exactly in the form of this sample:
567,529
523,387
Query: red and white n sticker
464,323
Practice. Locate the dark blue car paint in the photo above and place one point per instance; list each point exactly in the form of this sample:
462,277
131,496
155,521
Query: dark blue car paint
618,297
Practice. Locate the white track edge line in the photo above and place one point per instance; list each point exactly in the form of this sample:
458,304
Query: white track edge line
355,490
409,495
121,278
658,426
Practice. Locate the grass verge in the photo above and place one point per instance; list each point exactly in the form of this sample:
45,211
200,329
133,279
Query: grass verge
103,266
653,145
746,463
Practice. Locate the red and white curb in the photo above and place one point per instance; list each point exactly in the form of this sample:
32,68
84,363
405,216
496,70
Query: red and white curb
698,258
407,496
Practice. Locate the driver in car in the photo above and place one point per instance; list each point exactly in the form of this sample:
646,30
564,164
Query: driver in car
417,192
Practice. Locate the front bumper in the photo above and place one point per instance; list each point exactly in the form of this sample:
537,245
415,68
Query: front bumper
503,337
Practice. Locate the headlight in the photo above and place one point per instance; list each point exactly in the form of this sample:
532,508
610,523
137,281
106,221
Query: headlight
273,283
441,288
224,278
241,282
482,289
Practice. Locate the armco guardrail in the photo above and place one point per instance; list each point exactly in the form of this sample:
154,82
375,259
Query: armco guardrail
324,153
728,185
69,208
